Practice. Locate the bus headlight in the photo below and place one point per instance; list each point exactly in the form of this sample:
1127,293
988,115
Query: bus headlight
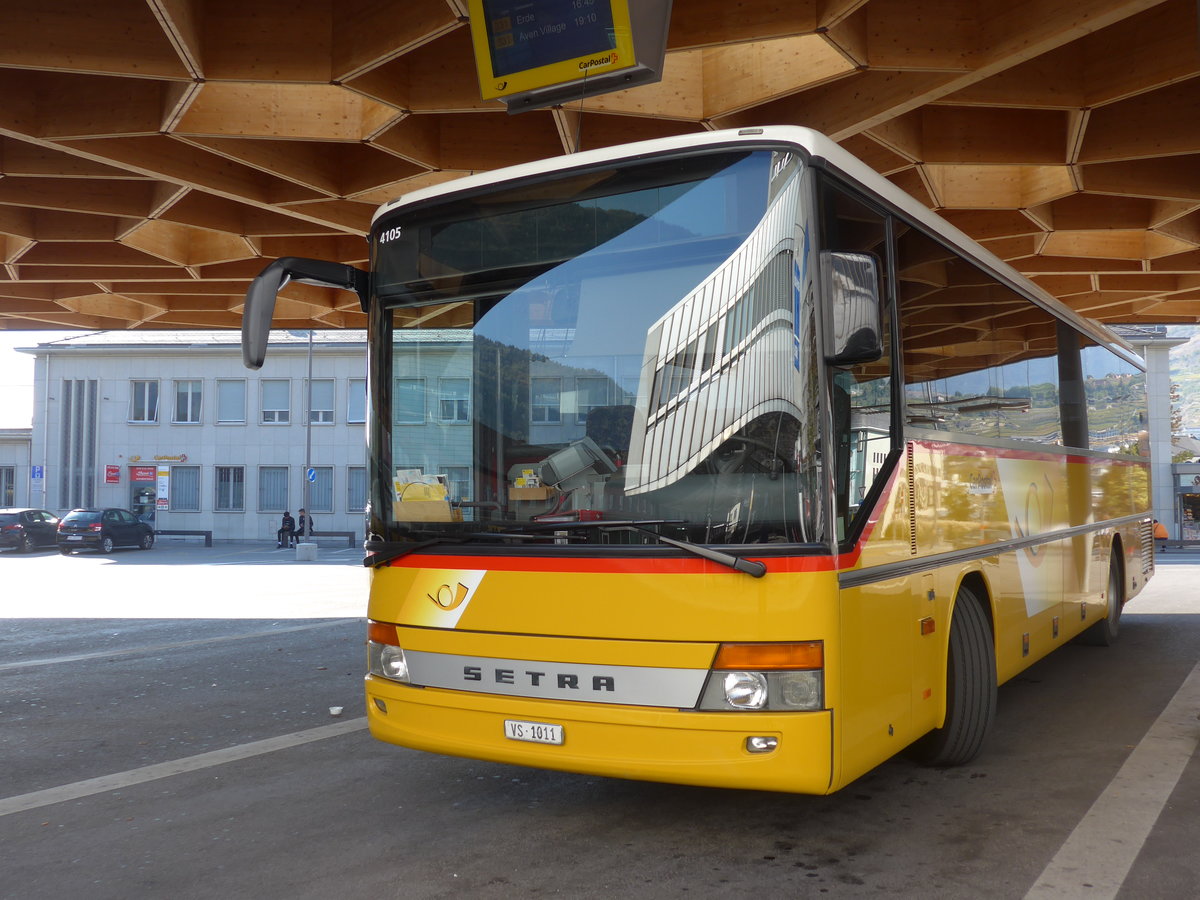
799,690
387,661
385,657
772,677
745,690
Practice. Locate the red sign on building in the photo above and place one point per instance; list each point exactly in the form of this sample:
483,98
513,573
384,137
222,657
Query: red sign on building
112,474
142,473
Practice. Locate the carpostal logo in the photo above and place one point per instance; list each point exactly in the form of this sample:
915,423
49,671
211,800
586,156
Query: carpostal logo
597,62
440,599
449,598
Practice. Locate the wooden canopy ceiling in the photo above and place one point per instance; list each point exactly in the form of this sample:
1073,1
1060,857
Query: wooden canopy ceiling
153,153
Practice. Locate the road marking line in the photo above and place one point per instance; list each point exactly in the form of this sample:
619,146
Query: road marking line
81,657
1098,854
104,783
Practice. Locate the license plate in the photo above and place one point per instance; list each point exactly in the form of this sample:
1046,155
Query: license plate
534,732
74,537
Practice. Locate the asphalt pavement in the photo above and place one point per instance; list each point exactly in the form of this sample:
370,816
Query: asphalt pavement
187,722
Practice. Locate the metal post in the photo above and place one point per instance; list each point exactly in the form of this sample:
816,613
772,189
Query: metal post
308,432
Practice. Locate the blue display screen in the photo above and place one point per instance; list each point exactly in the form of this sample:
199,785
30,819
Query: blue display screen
525,35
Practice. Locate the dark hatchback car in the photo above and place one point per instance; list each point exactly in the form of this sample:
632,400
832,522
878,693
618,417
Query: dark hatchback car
26,529
103,529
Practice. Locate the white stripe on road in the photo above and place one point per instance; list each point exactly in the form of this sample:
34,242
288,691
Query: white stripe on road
36,799
1098,854
158,648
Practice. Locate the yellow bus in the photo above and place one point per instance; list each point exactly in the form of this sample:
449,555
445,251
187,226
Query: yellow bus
719,460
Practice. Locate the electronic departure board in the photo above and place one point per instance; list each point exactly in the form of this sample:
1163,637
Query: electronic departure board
534,53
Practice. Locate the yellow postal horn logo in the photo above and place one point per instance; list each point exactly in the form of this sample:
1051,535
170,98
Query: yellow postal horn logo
449,598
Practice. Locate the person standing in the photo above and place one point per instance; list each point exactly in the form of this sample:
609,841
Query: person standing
1160,535
287,531
304,527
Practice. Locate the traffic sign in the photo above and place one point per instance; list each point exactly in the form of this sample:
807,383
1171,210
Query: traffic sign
311,474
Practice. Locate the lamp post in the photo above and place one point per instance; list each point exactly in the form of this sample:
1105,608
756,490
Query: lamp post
308,437
307,425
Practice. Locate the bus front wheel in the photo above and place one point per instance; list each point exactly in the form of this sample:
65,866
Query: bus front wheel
1104,633
970,688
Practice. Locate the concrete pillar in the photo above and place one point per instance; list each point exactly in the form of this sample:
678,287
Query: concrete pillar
1157,354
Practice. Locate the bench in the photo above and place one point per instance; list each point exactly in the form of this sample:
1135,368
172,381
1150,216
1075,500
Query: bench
1176,544
207,535
317,535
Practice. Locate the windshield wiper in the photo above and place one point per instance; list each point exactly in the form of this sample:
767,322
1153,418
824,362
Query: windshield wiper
382,552
386,551
751,567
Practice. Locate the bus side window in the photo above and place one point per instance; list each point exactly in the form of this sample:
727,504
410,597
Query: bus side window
861,394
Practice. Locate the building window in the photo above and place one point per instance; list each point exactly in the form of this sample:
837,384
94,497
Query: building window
79,428
408,401
356,488
454,400
276,402
231,489
321,412
185,489
272,488
8,484
546,400
589,394
320,492
143,401
187,402
458,482
231,402
356,400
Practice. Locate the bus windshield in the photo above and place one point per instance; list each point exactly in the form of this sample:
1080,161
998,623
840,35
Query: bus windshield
612,345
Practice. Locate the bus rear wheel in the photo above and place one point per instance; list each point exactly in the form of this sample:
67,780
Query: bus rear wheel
1104,633
970,688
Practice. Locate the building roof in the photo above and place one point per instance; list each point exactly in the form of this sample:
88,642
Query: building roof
150,164
110,340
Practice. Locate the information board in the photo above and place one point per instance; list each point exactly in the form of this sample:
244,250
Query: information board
524,48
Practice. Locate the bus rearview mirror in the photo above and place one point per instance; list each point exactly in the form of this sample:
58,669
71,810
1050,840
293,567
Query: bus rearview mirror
851,285
259,308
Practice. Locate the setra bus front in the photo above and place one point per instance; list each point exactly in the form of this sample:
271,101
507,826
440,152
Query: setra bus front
599,509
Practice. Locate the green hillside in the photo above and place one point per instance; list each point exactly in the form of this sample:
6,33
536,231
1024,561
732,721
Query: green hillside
1185,372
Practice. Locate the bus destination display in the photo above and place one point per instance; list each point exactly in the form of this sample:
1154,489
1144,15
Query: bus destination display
531,45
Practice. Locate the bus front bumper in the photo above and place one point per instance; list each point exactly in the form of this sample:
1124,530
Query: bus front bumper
649,744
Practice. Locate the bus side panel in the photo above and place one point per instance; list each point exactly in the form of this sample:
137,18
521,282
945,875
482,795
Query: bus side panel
880,627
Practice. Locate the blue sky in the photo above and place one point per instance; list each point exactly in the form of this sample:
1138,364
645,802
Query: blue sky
16,375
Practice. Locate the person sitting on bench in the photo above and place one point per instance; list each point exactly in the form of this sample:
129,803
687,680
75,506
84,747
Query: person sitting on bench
305,528
286,535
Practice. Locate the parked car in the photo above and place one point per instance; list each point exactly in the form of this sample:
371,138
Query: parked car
102,529
25,529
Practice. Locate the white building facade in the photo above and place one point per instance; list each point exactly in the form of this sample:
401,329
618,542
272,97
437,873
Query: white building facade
172,426
15,468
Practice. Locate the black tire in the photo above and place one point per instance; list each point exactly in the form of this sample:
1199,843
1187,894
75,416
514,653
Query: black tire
65,551
970,688
147,542
1105,632
106,544
26,544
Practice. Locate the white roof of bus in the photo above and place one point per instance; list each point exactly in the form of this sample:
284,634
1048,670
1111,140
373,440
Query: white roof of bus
816,145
